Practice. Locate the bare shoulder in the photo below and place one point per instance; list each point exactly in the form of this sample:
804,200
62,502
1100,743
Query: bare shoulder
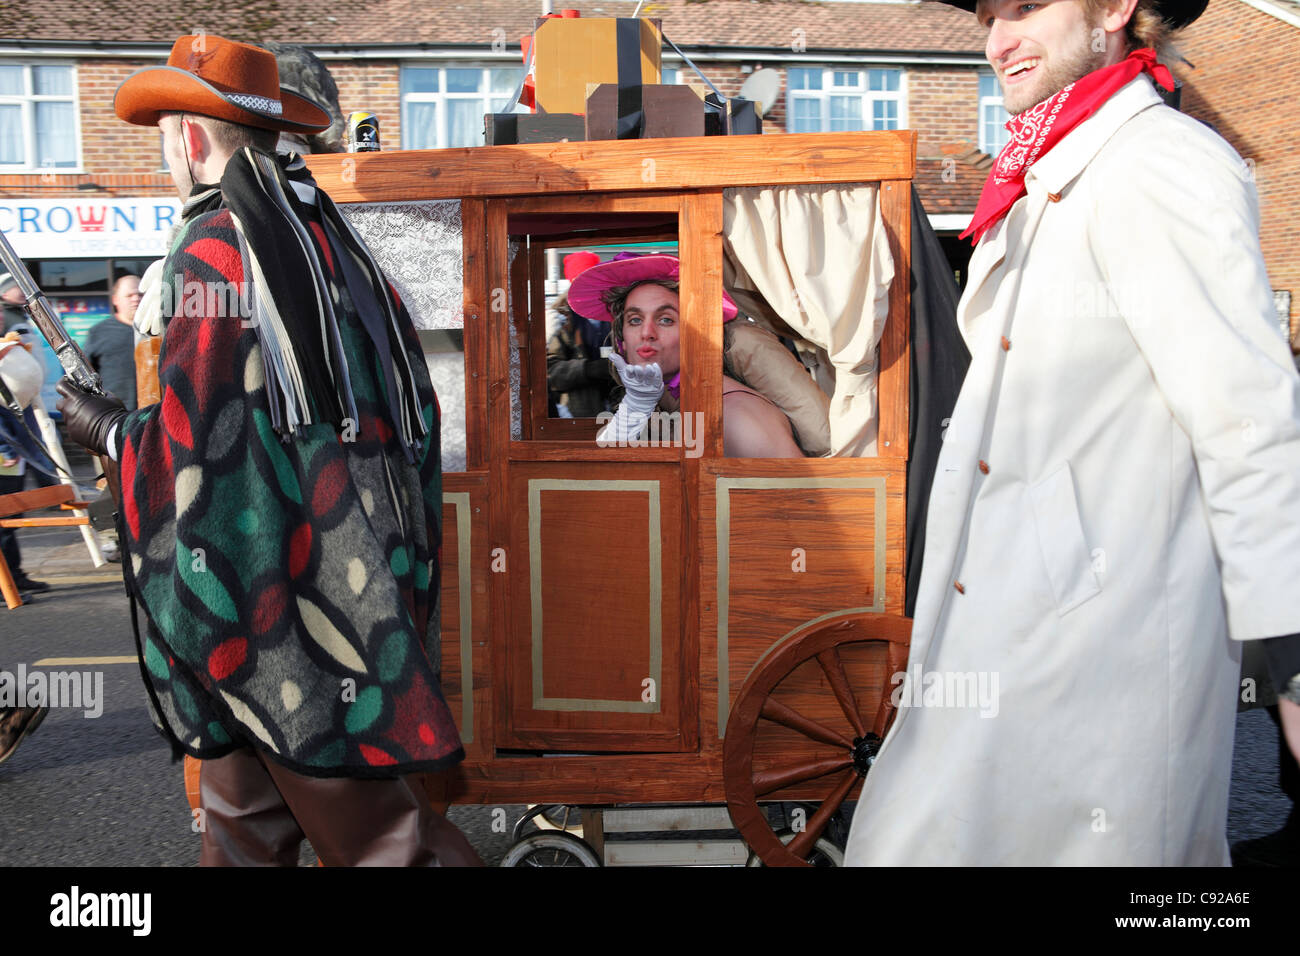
753,427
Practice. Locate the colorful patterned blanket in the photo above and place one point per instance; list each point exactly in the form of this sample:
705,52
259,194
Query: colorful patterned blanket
291,587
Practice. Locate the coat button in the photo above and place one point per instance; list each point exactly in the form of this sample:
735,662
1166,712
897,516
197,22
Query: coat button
984,466
958,586
1006,344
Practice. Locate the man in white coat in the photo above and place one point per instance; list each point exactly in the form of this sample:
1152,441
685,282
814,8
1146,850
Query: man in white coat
1117,502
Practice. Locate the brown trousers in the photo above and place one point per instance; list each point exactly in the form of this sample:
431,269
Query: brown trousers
257,813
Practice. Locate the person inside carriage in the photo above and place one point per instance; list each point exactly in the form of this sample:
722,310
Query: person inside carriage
638,295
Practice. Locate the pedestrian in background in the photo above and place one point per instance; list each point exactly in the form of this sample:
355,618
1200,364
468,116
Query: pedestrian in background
110,345
577,374
21,377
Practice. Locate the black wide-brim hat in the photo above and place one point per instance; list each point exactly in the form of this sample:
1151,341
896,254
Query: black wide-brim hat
1177,13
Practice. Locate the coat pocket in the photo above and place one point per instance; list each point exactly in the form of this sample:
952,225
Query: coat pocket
1060,538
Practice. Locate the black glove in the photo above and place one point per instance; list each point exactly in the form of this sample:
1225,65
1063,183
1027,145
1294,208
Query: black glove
89,418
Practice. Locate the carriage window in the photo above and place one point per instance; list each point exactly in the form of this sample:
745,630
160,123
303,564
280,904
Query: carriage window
589,319
581,380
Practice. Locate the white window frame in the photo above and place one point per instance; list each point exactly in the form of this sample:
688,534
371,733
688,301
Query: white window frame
868,97
440,99
27,101
987,145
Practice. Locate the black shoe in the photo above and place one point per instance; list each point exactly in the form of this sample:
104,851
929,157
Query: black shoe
24,583
17,724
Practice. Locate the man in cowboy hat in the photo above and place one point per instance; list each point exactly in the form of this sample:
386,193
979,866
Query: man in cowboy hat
281,504
1117,503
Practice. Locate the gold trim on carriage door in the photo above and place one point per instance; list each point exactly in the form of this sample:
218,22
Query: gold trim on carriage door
654,566
464,609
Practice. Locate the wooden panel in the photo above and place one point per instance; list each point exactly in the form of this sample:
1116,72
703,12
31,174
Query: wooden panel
567,430
51,522
19,501
464,617
587,238
474,240
574,451
698,162
595,576
640,778
700,245
752,590
495,365
592,203
701,310
895,357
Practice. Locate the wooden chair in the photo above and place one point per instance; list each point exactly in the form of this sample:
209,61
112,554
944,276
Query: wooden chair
11,509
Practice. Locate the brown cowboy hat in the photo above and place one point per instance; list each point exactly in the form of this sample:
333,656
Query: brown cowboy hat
1177,13
212,76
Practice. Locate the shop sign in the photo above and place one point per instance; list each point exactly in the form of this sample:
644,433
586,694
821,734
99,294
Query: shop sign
72,228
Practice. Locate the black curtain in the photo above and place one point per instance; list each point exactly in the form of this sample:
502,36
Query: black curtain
939,363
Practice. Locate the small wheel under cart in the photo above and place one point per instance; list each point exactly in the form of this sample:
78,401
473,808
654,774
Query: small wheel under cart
550,848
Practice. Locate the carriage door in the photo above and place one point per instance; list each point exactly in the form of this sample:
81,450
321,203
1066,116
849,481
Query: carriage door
591,583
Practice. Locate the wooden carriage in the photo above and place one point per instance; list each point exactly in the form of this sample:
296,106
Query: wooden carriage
643,625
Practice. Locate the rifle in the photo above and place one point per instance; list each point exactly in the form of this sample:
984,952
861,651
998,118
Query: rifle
75,364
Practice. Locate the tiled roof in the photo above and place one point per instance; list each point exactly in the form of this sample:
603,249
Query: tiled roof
948,186
770,24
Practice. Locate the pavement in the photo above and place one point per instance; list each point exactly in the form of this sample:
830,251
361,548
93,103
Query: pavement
103,791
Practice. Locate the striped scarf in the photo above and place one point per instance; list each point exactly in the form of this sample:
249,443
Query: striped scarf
297,304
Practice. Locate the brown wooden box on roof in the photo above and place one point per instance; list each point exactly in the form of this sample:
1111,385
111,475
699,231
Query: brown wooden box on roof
669,111
549,128
570,54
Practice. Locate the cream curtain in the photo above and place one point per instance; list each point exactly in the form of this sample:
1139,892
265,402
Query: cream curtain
815,259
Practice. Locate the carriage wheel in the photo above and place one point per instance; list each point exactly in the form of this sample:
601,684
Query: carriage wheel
800,699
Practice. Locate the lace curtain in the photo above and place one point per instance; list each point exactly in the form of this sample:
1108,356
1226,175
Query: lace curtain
419,247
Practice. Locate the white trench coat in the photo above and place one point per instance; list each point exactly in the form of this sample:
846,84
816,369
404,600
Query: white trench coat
1117,500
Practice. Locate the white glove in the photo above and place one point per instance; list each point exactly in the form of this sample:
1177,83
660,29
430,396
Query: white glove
643,385
148,314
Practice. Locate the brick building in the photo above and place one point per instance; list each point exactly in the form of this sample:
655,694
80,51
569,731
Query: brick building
1250,102
430,70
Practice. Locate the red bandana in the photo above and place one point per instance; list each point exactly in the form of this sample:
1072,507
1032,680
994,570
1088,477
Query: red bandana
1041,127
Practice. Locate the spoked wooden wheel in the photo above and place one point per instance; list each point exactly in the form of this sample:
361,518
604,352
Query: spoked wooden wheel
798,732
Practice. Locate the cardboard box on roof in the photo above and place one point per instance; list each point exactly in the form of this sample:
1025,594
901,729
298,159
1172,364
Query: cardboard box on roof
570,54
665,111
